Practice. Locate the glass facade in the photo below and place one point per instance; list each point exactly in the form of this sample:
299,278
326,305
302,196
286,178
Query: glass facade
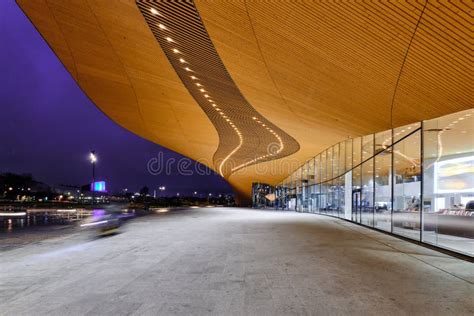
416,181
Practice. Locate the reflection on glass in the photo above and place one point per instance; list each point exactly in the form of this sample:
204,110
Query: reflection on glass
367,199
340,197
356,151
335,161
293,185
383,140
329,164
349,154
323,202
323,166
356,193
305,189
367,147
298,189
448,182
406,199
383,191
317,169
342,158
313,199
400,132
311,172
332,207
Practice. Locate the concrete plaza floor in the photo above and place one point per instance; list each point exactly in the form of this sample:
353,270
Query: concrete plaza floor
232,261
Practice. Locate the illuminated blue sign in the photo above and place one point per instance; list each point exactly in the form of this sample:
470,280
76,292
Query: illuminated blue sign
98,186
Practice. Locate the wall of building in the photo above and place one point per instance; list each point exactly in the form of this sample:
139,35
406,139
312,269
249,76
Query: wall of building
416,181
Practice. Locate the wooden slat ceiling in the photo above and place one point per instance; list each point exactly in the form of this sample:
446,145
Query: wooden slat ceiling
320,71
245,136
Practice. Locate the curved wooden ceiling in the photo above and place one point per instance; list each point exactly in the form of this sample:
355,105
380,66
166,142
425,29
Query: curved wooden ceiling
319,71
245,136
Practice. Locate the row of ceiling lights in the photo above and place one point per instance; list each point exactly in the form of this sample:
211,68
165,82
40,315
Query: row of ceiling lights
269,152
201,88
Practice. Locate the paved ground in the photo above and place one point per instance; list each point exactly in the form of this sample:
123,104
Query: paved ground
225,261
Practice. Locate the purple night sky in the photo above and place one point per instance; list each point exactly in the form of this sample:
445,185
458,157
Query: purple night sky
48,125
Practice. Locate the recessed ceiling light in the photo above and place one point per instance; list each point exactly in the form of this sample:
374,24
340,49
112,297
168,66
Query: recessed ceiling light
206,96
181,60
161,26
169,39
187,69
202,90
193,77
154,11
214,105
175,50
198,84
254,118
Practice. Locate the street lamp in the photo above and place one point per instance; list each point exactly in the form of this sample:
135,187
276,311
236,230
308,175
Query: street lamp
93,160
161,189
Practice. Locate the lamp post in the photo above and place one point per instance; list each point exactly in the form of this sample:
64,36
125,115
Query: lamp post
93,159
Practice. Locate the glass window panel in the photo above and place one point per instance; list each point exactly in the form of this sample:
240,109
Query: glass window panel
311,171
356,193
400,132
335,161
317,169
383,140
342,157
448,182
367,199
383,191
330,198
356,151
304,172
348,154
292,201
304,194
317,198
323,198
312,207
347,187
323,166
367,147
406,199
329,164
340,196
299,193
